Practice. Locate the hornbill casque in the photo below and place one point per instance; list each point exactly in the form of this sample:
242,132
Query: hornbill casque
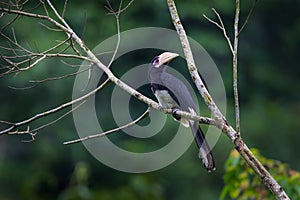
173,94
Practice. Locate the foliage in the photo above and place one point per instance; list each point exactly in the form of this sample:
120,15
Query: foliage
138,187
242,183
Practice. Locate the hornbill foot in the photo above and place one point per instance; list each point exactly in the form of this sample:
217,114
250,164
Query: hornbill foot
174,113
160,108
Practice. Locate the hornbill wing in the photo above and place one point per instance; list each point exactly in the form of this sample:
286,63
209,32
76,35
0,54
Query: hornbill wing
185,101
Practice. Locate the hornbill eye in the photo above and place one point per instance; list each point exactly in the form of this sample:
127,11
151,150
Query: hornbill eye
155,61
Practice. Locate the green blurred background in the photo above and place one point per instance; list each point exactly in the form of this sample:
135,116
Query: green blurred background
268,85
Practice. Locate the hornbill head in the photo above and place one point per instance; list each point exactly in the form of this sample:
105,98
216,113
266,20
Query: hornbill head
163,59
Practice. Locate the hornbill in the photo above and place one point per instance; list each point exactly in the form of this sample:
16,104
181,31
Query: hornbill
173,94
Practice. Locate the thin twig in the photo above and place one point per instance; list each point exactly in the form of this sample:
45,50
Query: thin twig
116,14
248,16
22,88
221,26
44,17
27,53
45,8
71,65
64,9
57,77
123,9
6,122
74,48
34,63
65,24
64,56
34,132
54,110
21,7
9,23
59,118
49,28
109,131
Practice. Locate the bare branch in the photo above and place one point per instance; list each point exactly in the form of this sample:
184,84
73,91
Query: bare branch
116,14
235,67
27,132
6,122
74,48
221,26
22,88
59,17
65,8
34,132
32,137
17,69
49,28
59,118
218,119
45,8
248,16
193,69
67,64
58,77
54,110
44,17
238,142
29,56
9,23
234,50
33,64
109,131
122,9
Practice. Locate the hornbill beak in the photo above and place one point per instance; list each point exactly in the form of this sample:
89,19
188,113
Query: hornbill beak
166,57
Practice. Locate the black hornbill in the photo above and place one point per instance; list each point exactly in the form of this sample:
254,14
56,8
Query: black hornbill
172,93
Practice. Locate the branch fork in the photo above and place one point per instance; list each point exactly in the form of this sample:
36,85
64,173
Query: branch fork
222,123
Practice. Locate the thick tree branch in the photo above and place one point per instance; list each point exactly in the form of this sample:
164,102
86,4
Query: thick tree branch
239,144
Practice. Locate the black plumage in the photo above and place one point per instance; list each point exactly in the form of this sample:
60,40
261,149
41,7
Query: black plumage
172,93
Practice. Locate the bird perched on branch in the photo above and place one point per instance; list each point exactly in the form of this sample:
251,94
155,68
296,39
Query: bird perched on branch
173,94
